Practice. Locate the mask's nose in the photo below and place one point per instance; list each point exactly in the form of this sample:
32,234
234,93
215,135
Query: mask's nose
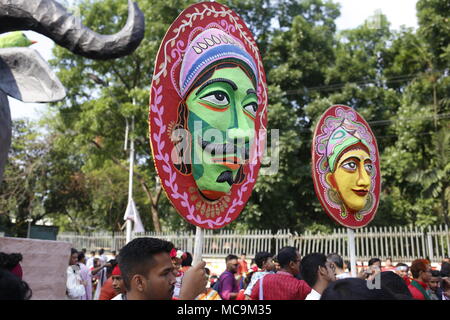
363,177
240,130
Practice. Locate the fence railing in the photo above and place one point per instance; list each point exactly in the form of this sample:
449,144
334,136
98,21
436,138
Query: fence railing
398,243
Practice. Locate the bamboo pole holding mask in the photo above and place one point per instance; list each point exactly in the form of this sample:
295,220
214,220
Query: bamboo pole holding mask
198,245
352,251
130,182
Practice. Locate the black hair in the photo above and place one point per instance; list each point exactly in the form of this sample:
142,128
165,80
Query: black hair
401,264
349,265
187,262
435,273
354,289
396,285
336,259
73,251
12,287
243,253
231,257
444,285
9,260
81,256
101,251
374,260
136,257
445,269
310,265
286,255
261,258
109,270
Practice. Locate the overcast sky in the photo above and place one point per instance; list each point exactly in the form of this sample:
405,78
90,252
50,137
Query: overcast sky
353,14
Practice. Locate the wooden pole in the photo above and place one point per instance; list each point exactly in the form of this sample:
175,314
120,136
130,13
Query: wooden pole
352,251
198,245
130,181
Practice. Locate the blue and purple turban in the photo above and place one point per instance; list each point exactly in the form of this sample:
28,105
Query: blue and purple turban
209,48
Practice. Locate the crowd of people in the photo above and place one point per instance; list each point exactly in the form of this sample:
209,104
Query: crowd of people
153,269
288,276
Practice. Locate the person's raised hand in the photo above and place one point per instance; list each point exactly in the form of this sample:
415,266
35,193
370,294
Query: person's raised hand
194,282
364,273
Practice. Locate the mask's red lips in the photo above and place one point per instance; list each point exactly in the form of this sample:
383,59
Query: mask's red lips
360,192
231,162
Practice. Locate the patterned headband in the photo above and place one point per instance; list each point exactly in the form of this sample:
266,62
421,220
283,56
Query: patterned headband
208,48
341,138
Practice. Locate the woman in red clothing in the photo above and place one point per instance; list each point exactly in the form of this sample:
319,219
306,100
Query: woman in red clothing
421,271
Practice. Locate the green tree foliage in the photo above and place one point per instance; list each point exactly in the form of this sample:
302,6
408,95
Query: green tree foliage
103,96
398,80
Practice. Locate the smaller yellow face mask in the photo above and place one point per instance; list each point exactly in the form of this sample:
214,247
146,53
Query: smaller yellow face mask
351,178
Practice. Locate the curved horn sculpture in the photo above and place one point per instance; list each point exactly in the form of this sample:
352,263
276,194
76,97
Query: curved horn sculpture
49,18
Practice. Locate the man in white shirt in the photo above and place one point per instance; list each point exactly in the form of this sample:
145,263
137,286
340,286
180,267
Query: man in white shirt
90,260
338,264
264,261
318,272
102,256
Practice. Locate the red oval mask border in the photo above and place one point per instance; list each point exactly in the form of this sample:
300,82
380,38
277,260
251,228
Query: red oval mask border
325,126
165,97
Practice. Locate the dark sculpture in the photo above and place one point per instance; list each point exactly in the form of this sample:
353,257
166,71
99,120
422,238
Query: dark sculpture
24,75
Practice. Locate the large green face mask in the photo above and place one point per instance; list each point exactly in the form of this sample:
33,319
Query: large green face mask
221,120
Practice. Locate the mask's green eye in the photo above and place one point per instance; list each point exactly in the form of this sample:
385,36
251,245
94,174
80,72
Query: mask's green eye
251,108
219,98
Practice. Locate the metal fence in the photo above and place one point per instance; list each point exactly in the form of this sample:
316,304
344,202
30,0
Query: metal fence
398,243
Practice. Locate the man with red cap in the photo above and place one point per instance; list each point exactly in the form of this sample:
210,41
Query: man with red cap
118,284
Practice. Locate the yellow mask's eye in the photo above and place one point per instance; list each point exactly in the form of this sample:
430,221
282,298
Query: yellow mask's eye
369,168
219,98
350,165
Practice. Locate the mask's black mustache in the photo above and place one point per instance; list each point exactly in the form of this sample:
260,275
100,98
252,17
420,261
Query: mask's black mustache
224,148
226,176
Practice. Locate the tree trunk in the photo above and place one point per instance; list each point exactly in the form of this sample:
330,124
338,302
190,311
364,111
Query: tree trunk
155,219
154,203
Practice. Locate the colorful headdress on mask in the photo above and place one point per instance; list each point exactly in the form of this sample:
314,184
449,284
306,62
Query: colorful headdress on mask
342,138
339,129
210,47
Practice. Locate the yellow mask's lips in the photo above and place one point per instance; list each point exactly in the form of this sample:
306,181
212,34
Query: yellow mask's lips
361,192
